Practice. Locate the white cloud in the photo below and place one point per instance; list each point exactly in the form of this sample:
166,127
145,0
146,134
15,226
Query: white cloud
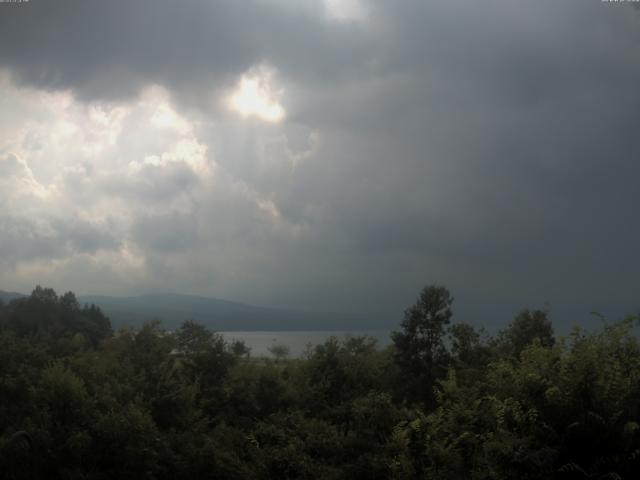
126,191
69,170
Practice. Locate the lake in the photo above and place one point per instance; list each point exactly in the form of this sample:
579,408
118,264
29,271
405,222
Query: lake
259,342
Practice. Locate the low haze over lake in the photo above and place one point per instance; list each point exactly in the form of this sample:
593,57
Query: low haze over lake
260,342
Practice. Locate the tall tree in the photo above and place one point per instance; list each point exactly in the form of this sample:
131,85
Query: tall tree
420,351
525,328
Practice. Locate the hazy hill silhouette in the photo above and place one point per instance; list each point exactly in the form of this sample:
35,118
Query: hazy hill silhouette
172,309
6,297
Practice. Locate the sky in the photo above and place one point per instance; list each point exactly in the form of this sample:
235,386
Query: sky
324,155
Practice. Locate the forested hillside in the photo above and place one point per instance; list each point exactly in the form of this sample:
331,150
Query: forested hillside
445,400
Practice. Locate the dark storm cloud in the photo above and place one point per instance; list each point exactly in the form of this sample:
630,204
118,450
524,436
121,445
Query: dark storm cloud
488,145
111,49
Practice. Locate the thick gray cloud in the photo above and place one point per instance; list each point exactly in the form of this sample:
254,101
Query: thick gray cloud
25,239
489,145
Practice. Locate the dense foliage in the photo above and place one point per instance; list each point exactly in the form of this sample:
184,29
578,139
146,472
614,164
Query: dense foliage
443,401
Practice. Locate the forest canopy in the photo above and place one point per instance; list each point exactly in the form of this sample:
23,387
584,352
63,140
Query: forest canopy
445,400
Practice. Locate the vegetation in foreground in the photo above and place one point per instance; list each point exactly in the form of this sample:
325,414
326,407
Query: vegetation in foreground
445,401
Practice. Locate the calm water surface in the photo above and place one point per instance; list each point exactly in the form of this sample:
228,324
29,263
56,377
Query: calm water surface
259,342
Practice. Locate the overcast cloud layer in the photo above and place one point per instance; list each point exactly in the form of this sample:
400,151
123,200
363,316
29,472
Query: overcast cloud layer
323,155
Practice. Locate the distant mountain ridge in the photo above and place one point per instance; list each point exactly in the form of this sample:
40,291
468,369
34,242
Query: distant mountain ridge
6,297
172,309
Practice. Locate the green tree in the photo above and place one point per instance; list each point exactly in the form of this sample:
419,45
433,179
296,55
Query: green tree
525,328
420,350
206,359
280,351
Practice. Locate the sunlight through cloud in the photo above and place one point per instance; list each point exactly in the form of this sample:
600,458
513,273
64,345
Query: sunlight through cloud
255,96
345,10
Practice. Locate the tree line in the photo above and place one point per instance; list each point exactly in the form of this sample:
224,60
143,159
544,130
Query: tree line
445,400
